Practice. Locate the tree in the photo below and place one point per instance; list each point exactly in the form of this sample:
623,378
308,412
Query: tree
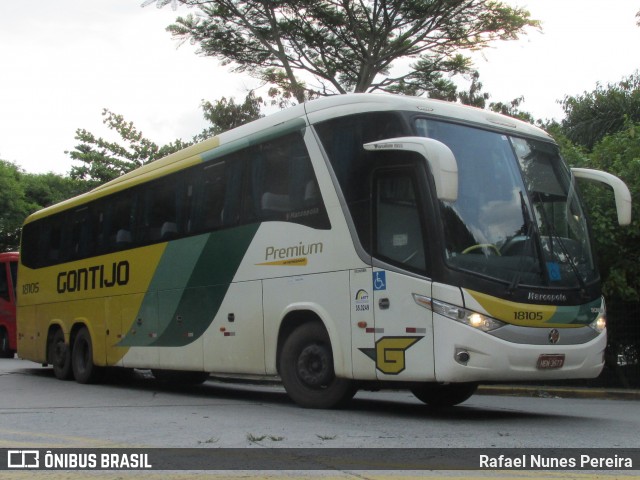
103,160
226,114
475,97
618,248
602,131
43,190
593,115
23,194
13,206
512,109
347,46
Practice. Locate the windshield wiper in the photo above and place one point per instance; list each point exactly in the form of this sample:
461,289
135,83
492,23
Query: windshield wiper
527,229
554,236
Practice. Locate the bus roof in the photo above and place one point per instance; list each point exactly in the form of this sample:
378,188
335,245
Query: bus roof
299,116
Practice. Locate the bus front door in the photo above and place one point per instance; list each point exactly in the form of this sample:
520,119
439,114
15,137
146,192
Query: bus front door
404,328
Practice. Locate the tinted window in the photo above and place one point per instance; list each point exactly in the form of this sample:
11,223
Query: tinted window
14,276
283,186
342,139
4,284
273,181
398,227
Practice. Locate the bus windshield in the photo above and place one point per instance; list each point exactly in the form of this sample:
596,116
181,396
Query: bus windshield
517,217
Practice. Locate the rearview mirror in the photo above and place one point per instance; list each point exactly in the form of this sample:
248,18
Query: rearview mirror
440,158
620,190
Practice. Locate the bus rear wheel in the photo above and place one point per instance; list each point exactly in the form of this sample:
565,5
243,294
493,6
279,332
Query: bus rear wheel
306,369
59,356
438,395
84,370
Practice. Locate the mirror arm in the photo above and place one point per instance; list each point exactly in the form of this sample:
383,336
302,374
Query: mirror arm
440,158
620,190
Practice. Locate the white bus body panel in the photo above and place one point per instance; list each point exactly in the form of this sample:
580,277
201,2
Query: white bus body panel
233,343
494,359
404,329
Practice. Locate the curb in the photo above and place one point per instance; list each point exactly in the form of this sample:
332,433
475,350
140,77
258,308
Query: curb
540,391
558,392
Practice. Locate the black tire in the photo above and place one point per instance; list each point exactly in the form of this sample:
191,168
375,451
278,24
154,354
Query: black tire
180,377
84,370
438,395
5,351
306,369
59,355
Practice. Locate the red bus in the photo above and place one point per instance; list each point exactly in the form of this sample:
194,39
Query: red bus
8,274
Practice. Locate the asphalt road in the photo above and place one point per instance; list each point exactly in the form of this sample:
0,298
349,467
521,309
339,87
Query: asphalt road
39,411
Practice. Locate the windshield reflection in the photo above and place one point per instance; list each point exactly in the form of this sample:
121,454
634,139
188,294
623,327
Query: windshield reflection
517,217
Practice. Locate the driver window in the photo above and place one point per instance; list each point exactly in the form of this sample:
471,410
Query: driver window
398,228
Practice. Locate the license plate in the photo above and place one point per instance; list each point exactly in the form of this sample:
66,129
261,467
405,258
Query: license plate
549,362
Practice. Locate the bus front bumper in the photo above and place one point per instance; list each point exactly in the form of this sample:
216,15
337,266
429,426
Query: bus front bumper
465,354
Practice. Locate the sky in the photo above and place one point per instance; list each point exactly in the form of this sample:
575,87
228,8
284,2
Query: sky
63,61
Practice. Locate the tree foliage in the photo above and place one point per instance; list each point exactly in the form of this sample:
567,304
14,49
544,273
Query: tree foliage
602,131
225,114
346,45
618,247
13,206
593,115
104,160
475,97
23,194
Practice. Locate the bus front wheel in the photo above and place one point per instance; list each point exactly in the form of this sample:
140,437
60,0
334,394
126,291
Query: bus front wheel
84,370
306,369
438,395
59,356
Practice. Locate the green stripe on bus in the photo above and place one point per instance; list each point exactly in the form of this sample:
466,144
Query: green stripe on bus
189,286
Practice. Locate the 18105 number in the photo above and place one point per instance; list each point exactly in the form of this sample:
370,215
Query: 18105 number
28,288
528,316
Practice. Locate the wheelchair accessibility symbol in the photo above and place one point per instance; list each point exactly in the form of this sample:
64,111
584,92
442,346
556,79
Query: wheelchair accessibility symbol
379,280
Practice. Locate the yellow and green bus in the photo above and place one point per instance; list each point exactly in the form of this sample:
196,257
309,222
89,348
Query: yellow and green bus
355,241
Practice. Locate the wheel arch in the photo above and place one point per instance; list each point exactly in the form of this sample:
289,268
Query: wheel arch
69,334
300,314
76,327
54,326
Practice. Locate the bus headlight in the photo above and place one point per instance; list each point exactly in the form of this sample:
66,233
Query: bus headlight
468,317
478,320
600,323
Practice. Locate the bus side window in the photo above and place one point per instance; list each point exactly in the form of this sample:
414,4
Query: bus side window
13,269
269,180
283,186
31,245
159,213
120,221
55,251
81,242
4,284
342,139
213,196
213,192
